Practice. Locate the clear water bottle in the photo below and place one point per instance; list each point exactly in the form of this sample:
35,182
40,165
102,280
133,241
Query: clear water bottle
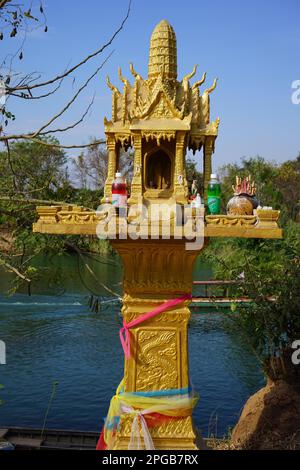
119,194
214,195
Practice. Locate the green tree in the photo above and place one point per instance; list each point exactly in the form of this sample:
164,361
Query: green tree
32,168
287,181
270,324
262,172
32,174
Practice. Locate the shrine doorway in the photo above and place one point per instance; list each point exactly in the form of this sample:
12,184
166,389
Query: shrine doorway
158,171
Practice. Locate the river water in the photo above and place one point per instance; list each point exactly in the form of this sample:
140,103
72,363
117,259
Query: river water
53,335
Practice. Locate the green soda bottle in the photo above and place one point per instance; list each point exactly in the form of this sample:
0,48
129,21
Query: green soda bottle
214,195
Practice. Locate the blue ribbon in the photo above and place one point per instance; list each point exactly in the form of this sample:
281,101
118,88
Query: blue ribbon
161,393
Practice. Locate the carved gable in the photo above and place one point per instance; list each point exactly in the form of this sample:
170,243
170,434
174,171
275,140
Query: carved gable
161,107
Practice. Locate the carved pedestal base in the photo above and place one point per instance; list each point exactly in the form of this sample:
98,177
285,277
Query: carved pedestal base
175,435
155,271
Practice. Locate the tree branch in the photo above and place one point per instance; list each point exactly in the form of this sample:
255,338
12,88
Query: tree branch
34,201
9,267
30,95
82,62
71,126
32,135
77,250
3,3
13,212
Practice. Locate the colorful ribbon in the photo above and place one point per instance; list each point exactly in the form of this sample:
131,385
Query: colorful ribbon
124,331
147,409
153,406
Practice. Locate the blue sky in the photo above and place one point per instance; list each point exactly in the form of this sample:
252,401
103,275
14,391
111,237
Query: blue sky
252,46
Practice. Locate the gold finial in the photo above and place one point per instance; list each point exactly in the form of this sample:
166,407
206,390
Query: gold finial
209,90
123,79
190,75
134,73
111,86
199,82
163,52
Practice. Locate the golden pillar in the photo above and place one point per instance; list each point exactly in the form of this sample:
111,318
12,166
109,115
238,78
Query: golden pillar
113,157
180,174
136,184
155,271
207,162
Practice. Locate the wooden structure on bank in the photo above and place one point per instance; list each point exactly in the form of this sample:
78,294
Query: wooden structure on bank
161,118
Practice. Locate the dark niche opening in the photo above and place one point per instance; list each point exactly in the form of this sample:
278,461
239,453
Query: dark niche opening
158,170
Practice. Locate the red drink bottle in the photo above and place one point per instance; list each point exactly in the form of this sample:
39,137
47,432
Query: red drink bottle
119,193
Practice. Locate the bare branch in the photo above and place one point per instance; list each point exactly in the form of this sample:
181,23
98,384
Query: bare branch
82,62
96,278
33,201
31,97
71,126
3,3
32,135
13,213
10,164
30,191
9,267
64,109
48,144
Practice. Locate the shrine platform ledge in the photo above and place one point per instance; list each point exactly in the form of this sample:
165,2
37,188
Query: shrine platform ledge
77,220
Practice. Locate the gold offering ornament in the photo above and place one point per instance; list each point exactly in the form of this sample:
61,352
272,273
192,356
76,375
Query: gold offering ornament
244,201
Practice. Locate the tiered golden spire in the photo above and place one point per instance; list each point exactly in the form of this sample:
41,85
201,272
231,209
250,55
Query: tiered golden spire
163,52
160,97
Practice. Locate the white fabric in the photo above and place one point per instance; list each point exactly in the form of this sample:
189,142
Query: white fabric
139,430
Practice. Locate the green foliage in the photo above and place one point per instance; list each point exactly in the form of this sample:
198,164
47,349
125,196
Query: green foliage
94,245
32,168
288,183
271,270
32,174
88,198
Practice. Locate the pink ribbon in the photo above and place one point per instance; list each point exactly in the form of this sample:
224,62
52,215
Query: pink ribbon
124,331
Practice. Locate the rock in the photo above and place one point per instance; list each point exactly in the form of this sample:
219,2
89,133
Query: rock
270,419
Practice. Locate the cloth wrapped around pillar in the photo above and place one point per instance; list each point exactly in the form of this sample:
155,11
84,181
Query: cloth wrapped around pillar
148,409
